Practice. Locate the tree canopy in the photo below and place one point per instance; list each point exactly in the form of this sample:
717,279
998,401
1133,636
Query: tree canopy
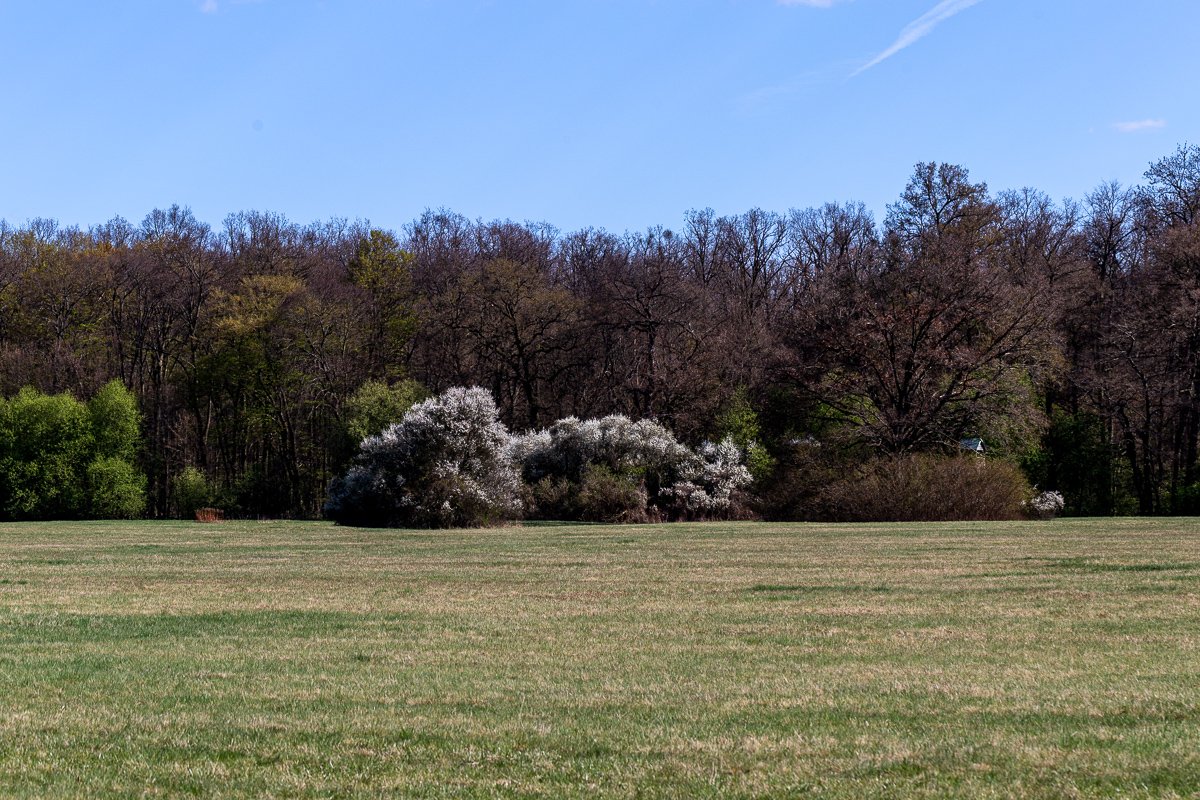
259,353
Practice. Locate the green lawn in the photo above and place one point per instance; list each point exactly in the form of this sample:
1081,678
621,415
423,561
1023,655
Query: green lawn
248,659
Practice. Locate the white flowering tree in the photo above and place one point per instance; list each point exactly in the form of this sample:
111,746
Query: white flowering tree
445,464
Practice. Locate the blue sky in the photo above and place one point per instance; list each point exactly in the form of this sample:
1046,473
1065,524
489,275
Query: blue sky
607,113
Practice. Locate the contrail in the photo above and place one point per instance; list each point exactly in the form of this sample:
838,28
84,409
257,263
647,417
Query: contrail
918,29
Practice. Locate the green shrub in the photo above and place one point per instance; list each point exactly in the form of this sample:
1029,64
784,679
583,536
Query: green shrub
600,495
739,421
116,489
115,421
552,497
47,443
62,459
606,496
759,461
190,490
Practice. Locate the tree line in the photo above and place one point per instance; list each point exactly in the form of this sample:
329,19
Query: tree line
1065,335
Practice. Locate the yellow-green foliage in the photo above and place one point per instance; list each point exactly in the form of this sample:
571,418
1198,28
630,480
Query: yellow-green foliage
376,405
61,458
115,420
117,489
190,490
739,421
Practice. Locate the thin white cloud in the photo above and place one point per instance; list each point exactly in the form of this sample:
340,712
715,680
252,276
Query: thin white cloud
1137,126
919,29
208,7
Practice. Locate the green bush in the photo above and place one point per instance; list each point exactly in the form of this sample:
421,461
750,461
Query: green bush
606,496
115,488
600,495
739,421
552,497
115,421
759,461
48,442
189,491
62,459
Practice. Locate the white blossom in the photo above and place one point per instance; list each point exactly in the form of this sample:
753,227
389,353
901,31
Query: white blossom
445,463
1046,505
712,478
692,483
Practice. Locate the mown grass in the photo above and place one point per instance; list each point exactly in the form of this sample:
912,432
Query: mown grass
745,660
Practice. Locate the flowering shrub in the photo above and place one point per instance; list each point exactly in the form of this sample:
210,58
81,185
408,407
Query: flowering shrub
1046,505
708,481
444,464
571,445
600,469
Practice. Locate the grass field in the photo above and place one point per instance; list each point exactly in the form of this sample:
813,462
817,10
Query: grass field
744,660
